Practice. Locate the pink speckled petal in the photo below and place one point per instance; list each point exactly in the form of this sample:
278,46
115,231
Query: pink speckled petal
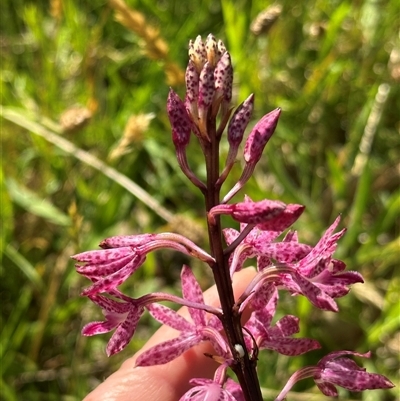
283,252
104,268
257,329
325,247
290,346
355,380
291,236
122,241
209,390
215,323
234,388
336,285
93,328
230,234
169,317
191,291
124,333
315,295
168,350
262,236
332,356
263,262
337,266
110,305
114,280
265,297
327,389
103,255
286,326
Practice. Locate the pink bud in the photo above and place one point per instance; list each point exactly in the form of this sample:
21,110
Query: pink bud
206,86
285,219
223,76
239,121
257,212
260,135
179,118
249,212
192,89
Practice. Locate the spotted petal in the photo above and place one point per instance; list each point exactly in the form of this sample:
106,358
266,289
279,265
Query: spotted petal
192,292
167,350
343,372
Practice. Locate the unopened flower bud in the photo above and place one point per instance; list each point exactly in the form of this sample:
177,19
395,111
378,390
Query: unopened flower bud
257,212
223,76
206,91
192,89
250,212
284,220
206,86
197,53
260,135
221,47
239,121
180,120
211,50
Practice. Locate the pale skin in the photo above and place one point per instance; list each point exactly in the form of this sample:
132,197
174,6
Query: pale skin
170,381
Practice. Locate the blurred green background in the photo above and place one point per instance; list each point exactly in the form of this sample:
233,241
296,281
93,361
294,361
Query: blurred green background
84,131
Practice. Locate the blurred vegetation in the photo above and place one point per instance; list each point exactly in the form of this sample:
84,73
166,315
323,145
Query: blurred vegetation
86,153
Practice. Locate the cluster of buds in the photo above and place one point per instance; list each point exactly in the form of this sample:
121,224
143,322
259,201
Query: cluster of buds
282,261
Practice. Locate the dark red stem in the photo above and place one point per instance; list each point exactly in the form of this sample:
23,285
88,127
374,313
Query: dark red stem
244,367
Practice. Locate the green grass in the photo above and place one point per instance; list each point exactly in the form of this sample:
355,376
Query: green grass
332,68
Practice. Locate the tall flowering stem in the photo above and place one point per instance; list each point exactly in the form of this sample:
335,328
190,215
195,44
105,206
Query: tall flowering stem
244,368
283,263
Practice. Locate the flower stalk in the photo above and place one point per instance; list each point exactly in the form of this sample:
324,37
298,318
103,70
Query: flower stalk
244,368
